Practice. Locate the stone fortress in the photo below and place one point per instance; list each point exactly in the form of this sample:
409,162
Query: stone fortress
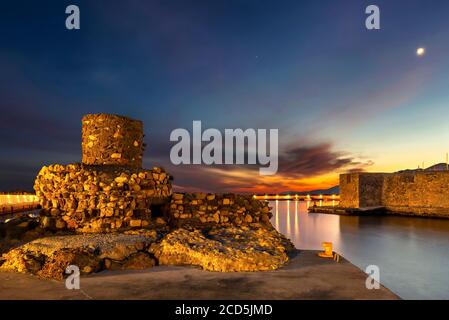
421,193
110,213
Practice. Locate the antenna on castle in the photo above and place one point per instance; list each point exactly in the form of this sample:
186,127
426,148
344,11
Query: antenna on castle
447,158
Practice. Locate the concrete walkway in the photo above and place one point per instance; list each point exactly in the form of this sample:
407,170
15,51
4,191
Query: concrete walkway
305,277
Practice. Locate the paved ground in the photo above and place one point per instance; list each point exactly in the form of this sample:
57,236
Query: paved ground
305,277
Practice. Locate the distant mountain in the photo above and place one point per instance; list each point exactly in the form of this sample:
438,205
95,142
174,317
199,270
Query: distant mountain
333,190
436,167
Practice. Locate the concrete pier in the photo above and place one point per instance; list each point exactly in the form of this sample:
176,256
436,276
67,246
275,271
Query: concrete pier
305,277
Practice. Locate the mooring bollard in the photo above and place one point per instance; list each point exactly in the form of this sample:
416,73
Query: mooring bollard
337,257
327,250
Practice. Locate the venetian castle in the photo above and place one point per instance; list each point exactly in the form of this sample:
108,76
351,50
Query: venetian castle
422,193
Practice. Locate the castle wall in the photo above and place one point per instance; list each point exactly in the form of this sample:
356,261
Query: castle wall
371,189
349,190
418,193
112,140
424,193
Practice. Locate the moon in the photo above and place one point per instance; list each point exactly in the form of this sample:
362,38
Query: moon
420,52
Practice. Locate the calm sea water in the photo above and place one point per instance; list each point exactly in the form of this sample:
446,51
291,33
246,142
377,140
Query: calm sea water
412,253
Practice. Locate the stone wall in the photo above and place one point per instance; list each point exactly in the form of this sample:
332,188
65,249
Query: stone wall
91,198
349,190
112,140
218,209
361,190
416,193
370,190
423,193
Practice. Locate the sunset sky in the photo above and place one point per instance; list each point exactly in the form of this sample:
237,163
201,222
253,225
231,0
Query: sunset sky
343,98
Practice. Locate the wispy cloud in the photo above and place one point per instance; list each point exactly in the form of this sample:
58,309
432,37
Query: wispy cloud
301,168
306,161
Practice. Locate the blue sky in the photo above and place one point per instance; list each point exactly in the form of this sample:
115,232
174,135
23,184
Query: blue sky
335,90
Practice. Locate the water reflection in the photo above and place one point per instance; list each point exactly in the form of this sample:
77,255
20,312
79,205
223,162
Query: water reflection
296,220
276,224
412,253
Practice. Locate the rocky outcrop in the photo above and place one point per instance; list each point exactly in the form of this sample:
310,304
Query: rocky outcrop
17,229
225,249
49,257
100,199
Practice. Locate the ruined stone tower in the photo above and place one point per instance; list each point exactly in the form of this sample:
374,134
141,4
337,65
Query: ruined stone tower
109,190
112,140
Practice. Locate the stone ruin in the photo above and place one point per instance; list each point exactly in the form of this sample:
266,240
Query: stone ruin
109,190
110,213
112,140
411,193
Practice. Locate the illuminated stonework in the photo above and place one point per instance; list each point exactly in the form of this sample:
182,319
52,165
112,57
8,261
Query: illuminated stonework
112,140
109,190
218,209
225,249
109,213
421,193
94,199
